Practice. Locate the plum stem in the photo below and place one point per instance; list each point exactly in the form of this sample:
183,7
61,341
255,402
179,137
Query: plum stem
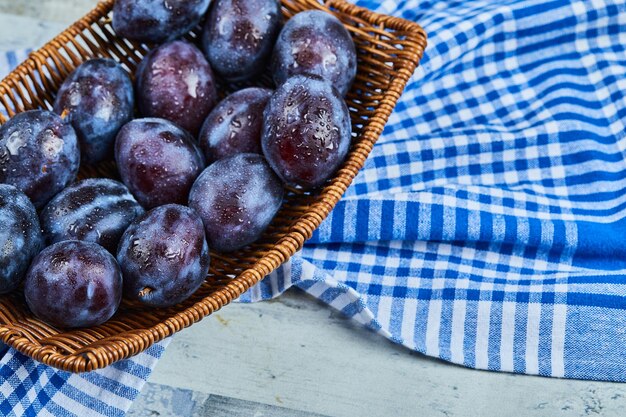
65,113
145,292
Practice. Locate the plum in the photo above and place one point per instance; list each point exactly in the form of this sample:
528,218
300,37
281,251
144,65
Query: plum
157,21
306,131
98,100
93,210
158,161
175,82
20,236
239,36
237,197
39,154
315,42
73,284
234,126
164,256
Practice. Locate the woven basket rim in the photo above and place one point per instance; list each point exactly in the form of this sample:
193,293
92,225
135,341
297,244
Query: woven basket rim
114,348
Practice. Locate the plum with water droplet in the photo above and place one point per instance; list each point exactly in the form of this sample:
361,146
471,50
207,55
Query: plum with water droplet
94,210
175,82
239,35
157,21
20,236
237,197
158,161
234,126
39,154
98,99
164,256
306,131
73,284
315,42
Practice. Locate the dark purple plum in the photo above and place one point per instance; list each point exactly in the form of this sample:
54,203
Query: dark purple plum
94,210
175,82
158,161
239,36
20,236
234,126
237,198
74,284
164,256
157,21
98,99
315,42
306,131
39,154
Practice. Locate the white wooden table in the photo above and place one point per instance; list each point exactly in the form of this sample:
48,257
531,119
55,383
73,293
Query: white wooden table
296,357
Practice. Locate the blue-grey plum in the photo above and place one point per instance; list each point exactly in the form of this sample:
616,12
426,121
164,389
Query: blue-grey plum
158,161
94,210
20,236
306,131
73,284
157,21
98,99
315,42
237,198
234,126
239,36
39,154
175,82
164,256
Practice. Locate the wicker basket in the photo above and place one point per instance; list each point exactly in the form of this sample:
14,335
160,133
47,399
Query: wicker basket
389,50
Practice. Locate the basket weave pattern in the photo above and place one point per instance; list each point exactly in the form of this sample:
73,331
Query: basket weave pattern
389,49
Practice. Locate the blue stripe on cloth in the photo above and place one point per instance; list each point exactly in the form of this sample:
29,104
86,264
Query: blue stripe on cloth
586,326
28,388
601,246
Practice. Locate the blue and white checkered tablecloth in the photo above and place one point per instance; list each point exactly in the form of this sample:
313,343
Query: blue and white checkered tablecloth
487,228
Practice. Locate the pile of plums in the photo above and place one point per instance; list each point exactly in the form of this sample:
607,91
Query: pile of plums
196,173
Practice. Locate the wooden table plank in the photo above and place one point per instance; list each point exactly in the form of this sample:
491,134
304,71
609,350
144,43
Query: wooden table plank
295,352
218,406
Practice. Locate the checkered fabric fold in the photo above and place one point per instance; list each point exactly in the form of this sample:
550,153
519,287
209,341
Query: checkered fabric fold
487,226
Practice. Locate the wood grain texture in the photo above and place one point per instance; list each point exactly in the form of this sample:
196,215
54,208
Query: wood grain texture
218,406
163,400
24,32
63,11
297,353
